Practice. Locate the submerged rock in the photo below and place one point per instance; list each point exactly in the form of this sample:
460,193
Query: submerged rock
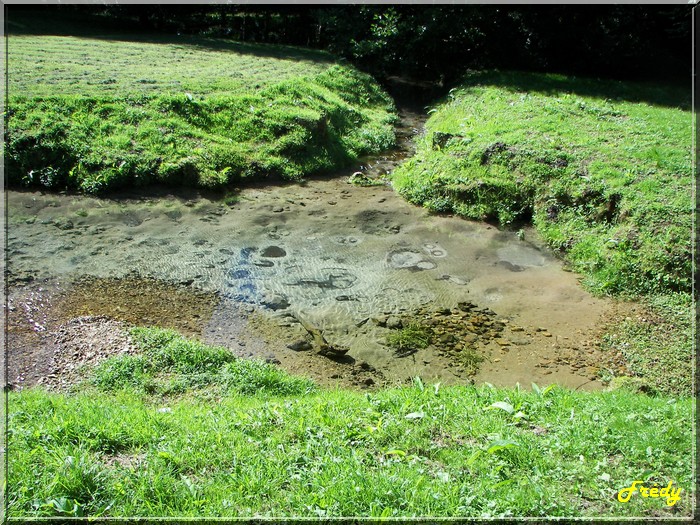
275,302
394,323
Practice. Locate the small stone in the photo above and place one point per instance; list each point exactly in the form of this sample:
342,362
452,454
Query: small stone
466,306
275,302
546,334
277,209
332,203
470,338
393,323
380,320
364,365
300,346
503,342
272,360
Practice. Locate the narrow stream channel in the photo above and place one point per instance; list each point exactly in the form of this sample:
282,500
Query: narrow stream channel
343,257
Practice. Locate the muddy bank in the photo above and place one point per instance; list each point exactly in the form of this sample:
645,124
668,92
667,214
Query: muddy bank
56,329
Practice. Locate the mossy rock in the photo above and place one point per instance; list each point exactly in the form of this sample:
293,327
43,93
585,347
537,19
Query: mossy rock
632,384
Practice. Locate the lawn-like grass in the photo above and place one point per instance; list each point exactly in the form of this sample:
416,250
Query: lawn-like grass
96,114
604,171
186,430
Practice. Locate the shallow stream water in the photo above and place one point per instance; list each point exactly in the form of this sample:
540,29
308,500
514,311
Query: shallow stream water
335,254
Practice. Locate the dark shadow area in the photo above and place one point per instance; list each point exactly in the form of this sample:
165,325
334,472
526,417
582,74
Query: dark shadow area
85,25
341,359
412,94
675,95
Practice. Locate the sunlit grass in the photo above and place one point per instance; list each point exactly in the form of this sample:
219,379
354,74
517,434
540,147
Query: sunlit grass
96,114
415,451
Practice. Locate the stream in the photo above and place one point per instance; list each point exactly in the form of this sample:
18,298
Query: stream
344,257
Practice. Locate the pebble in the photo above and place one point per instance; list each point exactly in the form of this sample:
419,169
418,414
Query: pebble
277,209
394,323
300,346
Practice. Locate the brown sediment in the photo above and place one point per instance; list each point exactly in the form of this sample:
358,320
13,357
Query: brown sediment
241,276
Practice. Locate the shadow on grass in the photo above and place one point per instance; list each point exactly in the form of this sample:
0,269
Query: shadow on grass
673,95
84,25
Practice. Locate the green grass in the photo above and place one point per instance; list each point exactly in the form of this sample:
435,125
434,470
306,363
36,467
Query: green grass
96,114
413,451
409,339
170,365
658,345
603,169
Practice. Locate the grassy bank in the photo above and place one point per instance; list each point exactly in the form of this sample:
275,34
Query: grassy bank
604,171
190,431
95,114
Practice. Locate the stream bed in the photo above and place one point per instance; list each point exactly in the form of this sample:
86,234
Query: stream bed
341,256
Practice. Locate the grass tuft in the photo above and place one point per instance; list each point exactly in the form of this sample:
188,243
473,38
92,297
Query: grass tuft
409,339
171,365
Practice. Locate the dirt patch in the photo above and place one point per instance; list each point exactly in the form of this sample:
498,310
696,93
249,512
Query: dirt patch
84,342
51,342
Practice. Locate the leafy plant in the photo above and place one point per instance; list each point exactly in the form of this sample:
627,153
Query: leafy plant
409,339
